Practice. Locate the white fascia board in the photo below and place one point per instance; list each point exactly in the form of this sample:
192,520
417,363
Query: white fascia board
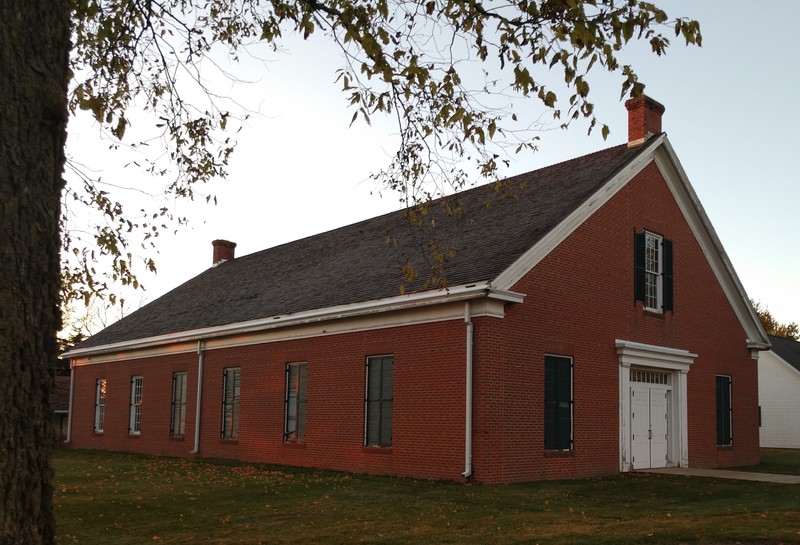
671,169
366,308
522,266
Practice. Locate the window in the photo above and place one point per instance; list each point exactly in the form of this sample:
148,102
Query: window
178,421
231,378
295,425
724,410
653,271
135,427
378,403
557,403
99,405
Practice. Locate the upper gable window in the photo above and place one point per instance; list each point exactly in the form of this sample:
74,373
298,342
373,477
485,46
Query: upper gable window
653,271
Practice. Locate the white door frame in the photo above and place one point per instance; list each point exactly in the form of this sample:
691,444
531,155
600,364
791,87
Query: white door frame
674,361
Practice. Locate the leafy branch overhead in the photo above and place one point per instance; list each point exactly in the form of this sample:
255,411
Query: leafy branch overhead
450,72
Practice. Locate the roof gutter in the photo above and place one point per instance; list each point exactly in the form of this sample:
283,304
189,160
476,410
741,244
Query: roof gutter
402,302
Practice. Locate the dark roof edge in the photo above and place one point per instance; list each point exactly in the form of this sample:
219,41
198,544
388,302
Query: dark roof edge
401,302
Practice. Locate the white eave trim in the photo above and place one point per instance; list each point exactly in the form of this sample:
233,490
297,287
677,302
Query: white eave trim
389,304
513,274
670,166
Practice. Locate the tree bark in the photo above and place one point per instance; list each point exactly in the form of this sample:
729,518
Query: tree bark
34,67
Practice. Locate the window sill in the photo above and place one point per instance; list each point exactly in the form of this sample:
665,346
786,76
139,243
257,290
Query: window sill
724,447
134,436
97,433
559,453
294,444
377,450
179,438
228,441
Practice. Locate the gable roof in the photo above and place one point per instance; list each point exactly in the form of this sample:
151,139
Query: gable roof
497,238
362,261
787,349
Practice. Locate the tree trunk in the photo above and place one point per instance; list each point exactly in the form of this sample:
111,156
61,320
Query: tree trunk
34,66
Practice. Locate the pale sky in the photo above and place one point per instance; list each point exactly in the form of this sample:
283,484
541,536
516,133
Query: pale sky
731,116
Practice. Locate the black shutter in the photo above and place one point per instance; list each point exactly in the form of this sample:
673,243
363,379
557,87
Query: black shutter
639,289
720,412
724,409
564,432
667,268
550,397
729,404
387,381
224,406
130,408
172,407
301,400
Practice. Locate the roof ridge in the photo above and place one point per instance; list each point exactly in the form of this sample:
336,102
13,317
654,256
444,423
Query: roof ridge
363,261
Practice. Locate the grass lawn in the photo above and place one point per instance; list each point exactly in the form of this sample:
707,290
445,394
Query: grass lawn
776,460
120,499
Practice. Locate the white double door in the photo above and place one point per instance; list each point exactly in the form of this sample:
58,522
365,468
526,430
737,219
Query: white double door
649,426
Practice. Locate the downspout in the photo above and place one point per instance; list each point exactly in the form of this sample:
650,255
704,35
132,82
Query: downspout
468,402
71,397
196,448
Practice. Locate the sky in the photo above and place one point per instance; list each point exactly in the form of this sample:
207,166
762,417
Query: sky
301,169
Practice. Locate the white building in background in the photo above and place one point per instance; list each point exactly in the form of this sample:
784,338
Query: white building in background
779,394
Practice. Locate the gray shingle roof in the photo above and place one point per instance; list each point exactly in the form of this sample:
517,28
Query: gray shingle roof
355,263
787,349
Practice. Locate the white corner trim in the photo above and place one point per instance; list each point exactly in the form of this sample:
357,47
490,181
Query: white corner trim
557,235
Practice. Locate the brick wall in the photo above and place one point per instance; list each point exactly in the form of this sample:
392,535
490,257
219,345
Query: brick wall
428,414
579,300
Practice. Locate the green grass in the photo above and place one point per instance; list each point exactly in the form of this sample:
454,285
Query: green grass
120,499
775,460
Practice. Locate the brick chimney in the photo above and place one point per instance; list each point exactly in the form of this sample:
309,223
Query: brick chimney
644,119
224,250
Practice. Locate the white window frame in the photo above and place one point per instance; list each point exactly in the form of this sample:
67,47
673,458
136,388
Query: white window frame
178,425
135,425
653,276
230,404
294,421
100,404
381,402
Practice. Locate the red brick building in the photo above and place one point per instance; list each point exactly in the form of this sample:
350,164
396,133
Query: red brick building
592,324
